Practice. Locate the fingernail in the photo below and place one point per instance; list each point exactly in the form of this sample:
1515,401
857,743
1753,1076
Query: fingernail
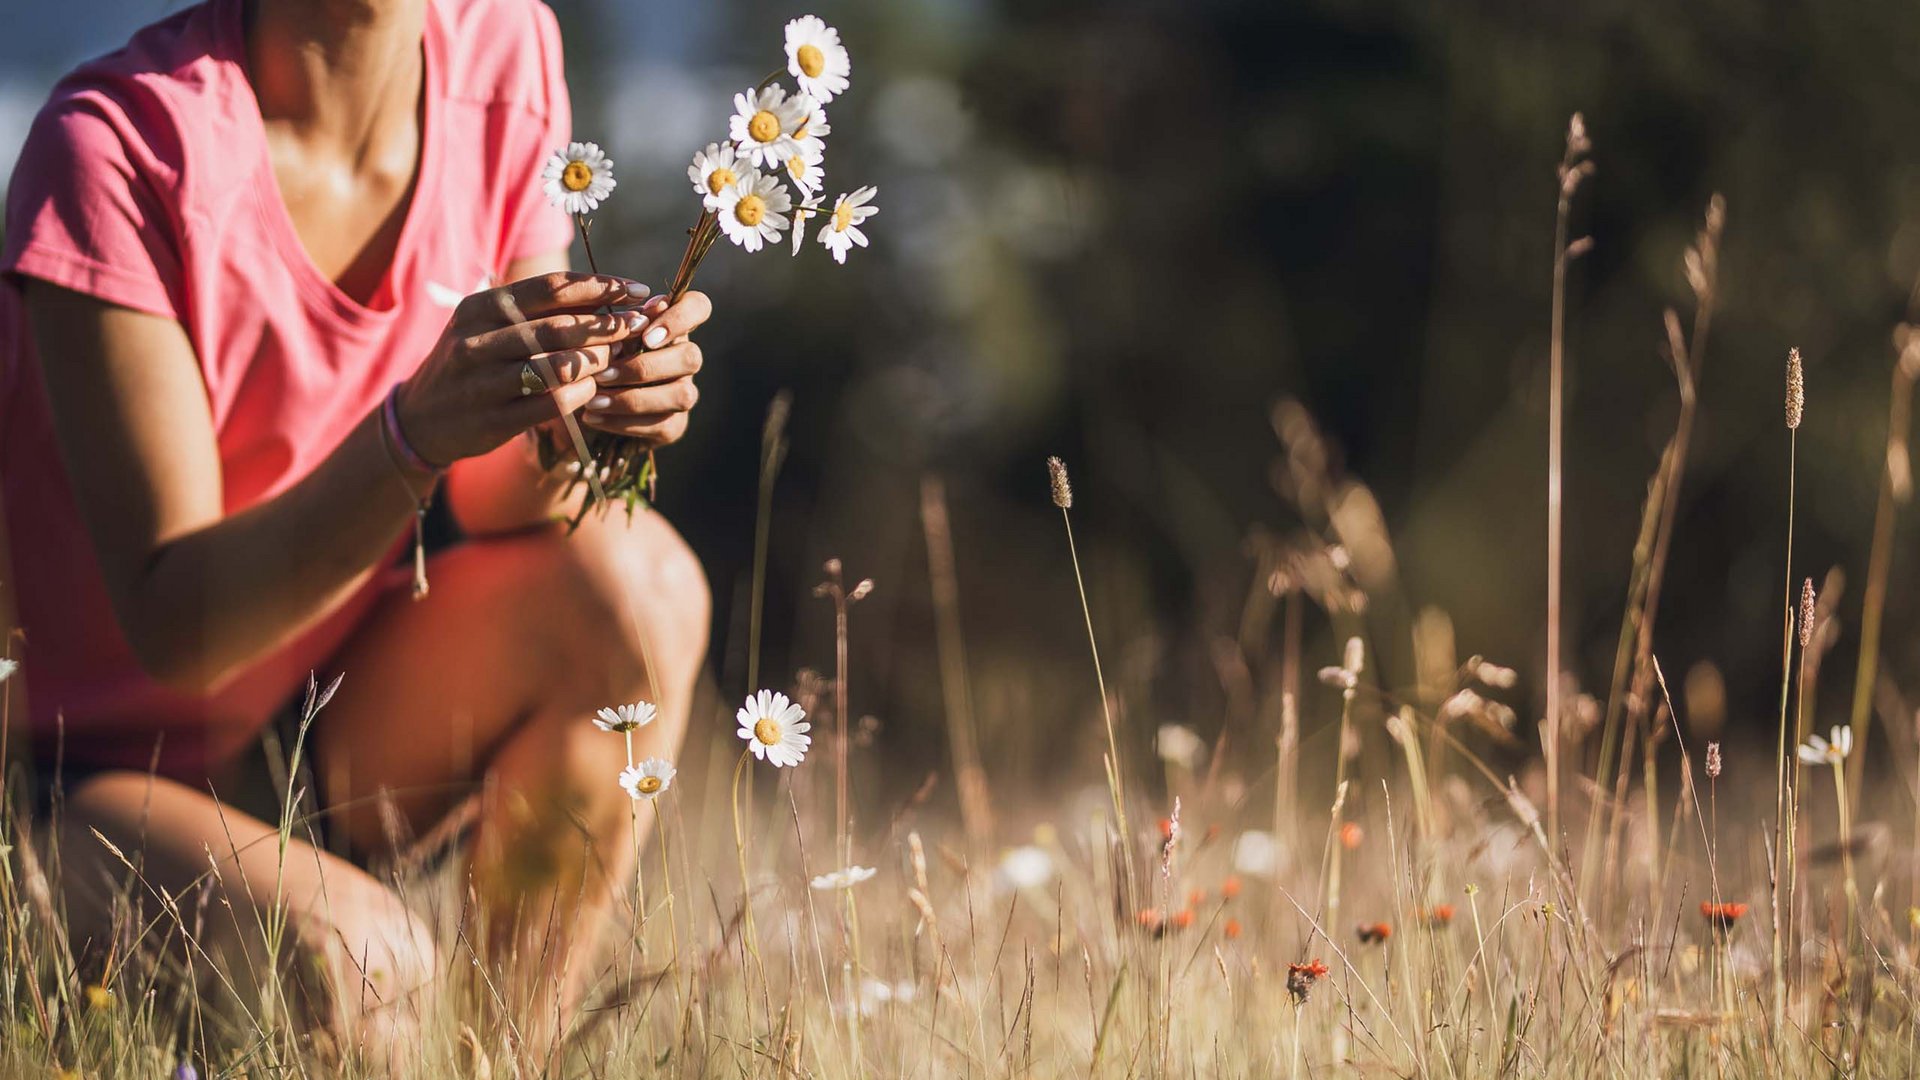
607,374
599,403
637,290
655,337
634,320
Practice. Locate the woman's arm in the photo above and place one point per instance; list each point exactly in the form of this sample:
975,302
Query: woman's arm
198,594
646,392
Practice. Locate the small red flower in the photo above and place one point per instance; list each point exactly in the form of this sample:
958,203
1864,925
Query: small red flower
1351,835
1438,916
1196,897
1722,916
1373,933
1182,918
1231,929
1301,977
1150,919
1230,888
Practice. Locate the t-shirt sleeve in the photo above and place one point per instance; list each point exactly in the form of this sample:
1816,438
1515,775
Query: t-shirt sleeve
535,226
88,209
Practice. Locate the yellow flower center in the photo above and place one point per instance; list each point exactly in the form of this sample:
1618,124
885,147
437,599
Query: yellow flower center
842,217
797,166
648,785
767,732
764,127
577,176
800,132
812,60
720,179
749,211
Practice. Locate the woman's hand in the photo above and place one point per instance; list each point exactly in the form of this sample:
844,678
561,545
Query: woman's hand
647,391
467,398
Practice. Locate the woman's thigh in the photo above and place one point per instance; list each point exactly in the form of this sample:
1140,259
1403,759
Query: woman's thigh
532,628
208,877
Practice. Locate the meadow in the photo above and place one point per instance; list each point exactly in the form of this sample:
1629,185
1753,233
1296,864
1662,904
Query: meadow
1347,877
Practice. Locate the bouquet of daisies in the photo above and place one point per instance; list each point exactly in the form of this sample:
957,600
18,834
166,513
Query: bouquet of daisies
760,185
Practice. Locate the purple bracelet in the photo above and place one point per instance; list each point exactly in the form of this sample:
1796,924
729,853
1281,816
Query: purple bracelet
390,415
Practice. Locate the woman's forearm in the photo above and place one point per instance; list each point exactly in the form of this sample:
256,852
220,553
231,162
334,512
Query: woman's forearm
222,596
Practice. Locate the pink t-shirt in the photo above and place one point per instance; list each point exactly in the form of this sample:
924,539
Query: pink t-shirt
146,183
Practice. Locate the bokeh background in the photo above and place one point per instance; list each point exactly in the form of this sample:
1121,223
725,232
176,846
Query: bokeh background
1120,232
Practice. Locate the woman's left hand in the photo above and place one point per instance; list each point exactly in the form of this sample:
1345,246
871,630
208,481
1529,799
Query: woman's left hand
647,390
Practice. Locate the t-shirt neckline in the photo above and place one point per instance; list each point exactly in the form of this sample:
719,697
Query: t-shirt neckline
319,289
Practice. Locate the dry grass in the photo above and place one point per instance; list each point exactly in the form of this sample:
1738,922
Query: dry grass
1195,910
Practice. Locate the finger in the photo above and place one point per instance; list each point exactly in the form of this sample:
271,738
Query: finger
676,396
692,310
675,361
533,409
657,429
553,334
546,294
504,381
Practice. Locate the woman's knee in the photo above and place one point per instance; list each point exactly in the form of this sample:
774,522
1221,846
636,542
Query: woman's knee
650,589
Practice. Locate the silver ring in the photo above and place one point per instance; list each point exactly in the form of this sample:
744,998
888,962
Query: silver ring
530,381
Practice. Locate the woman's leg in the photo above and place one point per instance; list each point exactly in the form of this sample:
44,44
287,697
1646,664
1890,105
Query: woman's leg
494,676
376,953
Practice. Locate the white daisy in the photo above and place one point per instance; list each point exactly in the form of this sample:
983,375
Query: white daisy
803,168
813,129
7,667
1819,751
842,229
754,210
763,124
714,170
800,215
624,718
816,59
648,779
579,178
775,728
1025,867
843,879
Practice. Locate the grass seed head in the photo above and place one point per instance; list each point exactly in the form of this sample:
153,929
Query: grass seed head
1806,613
1062,488
1796,390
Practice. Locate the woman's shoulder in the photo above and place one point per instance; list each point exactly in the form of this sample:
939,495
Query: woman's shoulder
501,52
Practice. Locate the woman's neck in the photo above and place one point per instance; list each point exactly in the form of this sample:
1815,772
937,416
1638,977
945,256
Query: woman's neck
336,71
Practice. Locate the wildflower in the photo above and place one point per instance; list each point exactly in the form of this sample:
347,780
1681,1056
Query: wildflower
1373,933
1182,918
1150,920
842,230
775,729
1196,897
843,879
649,779
816,59
1025,867
1796,390
1178,745
1351,835
1819,751
754,210
1231,929
799,231
1257,853
812,130
714,170
1437,917
1722,916
1230,888
804,169
579,178
99,997
186,1071
625,718
1301,977
763,124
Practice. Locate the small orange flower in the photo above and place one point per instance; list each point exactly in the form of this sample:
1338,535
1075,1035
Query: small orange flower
1230,888
1438,916
1373,933
1182,918
1301,977
1196,897
1231,929
1722,916
1351,835
1167,829
1150,919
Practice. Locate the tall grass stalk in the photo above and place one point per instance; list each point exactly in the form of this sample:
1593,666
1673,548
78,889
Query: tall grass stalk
1795,411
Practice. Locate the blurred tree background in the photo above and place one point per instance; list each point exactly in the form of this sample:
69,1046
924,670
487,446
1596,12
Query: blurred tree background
1121,232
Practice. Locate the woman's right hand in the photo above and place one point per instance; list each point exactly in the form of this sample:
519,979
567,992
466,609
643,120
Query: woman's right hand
466,399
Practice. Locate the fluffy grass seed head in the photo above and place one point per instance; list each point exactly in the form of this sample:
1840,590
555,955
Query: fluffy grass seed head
1806,613
775,729
1062,487
648,780
842,879
624,718
1796,390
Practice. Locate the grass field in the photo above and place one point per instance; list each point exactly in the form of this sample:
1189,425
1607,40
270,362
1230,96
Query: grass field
1602,893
